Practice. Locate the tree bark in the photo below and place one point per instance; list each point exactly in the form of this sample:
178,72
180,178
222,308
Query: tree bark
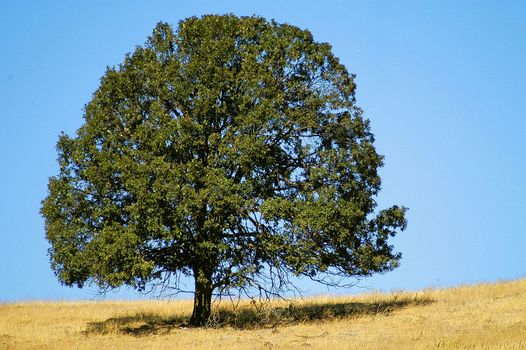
202,298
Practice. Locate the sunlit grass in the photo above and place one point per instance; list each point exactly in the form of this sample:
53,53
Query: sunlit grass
486,316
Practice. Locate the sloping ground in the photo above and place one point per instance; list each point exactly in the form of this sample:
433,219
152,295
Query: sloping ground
486,316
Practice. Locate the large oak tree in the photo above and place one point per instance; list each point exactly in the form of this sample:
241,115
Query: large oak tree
230,150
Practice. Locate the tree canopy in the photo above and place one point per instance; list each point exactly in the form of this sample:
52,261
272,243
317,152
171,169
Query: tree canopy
229,149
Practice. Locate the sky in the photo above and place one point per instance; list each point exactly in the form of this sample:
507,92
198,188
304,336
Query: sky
442,82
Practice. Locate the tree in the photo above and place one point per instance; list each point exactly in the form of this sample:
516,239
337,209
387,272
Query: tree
230,150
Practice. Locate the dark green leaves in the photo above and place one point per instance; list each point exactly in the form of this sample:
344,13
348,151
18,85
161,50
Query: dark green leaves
230,146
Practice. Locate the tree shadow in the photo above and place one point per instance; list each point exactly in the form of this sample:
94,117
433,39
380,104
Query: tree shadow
253,316
137,324
267,316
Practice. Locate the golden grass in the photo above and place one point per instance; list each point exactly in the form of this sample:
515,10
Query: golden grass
485,316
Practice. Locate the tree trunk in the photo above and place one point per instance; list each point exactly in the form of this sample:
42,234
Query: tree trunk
202,298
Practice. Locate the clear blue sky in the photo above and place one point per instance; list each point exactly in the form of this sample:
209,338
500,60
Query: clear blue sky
443,83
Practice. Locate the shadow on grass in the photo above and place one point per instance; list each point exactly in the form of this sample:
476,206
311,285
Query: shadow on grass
137,324
250,317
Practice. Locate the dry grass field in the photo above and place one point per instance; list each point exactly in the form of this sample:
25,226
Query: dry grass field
486,316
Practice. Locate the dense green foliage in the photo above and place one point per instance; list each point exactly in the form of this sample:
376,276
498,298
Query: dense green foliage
230,150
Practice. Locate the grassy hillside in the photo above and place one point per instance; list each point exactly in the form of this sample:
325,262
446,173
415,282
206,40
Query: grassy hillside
487,316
